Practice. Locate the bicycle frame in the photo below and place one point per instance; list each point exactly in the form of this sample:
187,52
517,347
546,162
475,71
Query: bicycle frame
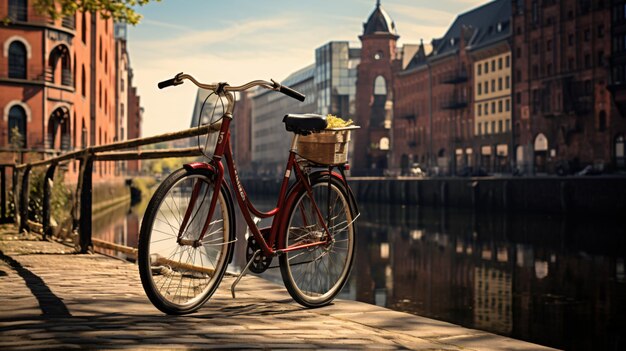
223,150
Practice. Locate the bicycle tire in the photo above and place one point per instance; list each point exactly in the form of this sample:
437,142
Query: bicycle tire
313,277
180,276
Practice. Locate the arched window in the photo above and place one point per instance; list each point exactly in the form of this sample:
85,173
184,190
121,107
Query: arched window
384,143
17,60
380,86
61,53
18,10
541,143
17,121
83,84
83,29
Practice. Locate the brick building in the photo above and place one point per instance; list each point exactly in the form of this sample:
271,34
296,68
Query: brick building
618,79
58,80
438,95
374,93
564,112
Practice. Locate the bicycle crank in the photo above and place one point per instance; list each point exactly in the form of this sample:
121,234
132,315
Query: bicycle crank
260,262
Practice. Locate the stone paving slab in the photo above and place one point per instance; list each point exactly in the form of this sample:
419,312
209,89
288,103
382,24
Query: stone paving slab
53,298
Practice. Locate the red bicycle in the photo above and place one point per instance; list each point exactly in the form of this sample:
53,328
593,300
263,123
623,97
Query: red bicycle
188,230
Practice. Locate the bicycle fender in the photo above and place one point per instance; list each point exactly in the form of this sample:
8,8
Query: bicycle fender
199,165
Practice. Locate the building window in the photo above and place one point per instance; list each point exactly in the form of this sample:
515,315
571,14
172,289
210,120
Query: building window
518,98
500,63
507,61
499,83
486,67
380,87
122,85
500,106
508,105
83,83
486,109
493,85
519,52
493,65
83,29
486,87
17,121
493,127
480,90
570,64
479,69
100,94
18,10
500,130
508,125
100,50
480,129
600,58
549,69
507,82
480,110
587,61
570,39
493,107
17,60
601,31
587,34
549,45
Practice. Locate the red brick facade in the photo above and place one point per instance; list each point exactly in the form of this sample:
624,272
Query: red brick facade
374,94
565,115
57,80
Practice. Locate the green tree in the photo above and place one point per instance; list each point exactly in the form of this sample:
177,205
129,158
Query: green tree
119,10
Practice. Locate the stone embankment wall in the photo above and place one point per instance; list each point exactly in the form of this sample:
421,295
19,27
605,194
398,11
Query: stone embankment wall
537,194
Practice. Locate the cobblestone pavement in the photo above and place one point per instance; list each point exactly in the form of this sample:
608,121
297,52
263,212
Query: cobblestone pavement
51,297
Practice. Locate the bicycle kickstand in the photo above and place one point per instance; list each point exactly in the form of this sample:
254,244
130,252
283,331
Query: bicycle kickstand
243,272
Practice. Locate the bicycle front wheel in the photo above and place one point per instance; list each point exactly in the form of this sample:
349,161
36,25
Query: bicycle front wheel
314,276
179,269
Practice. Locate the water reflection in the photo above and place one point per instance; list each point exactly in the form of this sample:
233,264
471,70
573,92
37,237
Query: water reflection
553,281
556,281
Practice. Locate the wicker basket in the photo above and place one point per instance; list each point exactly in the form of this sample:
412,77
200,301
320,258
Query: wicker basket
328,147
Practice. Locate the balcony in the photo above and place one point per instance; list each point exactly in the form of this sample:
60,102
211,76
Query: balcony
459,76
455,103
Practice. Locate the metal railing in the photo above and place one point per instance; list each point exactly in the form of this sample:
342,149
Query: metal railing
82,209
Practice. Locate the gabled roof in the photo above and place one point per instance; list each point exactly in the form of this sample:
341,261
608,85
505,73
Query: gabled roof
481,26
379,22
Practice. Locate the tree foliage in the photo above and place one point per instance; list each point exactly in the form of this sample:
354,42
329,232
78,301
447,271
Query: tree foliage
119,10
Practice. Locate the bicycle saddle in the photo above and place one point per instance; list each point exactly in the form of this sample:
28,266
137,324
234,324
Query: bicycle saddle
304,124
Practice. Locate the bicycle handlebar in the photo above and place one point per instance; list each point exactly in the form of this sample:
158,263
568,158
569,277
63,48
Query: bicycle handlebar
273,85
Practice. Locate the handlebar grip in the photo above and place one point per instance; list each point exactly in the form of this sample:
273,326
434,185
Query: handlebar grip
170,82
292,93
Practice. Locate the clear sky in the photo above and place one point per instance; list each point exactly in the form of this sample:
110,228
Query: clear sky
241,40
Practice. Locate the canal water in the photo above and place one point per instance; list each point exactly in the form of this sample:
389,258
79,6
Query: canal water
555,281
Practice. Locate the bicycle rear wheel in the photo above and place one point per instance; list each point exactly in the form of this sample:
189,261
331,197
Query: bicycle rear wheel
178,271
314,276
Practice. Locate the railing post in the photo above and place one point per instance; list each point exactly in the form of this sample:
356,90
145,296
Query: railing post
3,196
84,226
48,183
24,193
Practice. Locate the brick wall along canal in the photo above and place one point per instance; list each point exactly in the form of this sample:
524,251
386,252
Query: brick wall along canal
553,280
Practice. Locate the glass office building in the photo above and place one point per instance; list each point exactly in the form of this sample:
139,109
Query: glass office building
335,78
